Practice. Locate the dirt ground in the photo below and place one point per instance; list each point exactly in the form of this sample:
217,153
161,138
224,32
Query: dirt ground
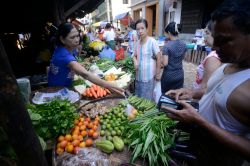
189,73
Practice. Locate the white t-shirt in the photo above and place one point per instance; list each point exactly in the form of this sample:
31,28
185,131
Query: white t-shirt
109,35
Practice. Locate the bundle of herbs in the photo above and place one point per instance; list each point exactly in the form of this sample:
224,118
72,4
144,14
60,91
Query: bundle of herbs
53,118
105,64
150,136
127,65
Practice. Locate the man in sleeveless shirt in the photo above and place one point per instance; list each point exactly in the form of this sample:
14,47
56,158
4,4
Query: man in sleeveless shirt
223,118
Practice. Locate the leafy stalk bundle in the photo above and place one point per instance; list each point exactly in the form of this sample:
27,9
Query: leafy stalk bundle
52,119
126,64
150,136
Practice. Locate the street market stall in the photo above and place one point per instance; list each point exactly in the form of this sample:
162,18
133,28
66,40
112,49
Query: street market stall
108,130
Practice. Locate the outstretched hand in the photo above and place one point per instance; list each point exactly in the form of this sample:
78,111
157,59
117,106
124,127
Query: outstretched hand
117,90
187,115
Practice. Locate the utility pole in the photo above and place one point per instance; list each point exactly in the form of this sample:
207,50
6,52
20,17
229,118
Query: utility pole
108,11
15,119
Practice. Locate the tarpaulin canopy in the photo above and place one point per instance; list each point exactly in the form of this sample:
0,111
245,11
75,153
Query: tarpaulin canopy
124,18
121,16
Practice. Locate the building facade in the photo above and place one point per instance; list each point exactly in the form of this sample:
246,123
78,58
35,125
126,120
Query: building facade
109,9
158,13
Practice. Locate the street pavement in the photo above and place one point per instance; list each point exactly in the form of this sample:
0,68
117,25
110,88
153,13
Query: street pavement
189,74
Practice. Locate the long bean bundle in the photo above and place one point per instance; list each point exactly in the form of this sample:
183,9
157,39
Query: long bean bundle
150,136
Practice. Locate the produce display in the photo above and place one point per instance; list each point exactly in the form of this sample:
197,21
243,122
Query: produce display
82,135
150,136
147,132
97,45
87,62
95,91
93,109
53,118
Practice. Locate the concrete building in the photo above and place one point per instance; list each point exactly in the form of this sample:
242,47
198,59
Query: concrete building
158,13
101,13
109,9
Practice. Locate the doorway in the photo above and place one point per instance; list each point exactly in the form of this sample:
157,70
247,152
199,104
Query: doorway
151,17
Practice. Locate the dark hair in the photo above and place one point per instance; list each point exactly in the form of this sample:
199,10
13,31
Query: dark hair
108,25
132,25
142,20
172,28
239,10
63,31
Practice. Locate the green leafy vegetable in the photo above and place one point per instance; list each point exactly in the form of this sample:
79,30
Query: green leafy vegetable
52,119
151,135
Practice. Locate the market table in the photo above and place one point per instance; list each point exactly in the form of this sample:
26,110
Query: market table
116,157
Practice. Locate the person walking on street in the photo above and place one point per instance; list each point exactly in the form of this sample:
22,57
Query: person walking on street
172,54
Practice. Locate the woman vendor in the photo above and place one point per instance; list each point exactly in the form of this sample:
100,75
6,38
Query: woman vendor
64,65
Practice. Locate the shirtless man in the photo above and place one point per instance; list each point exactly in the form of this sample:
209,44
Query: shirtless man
224,112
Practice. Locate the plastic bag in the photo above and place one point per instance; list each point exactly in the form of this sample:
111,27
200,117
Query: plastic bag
84,157
108,53
157,91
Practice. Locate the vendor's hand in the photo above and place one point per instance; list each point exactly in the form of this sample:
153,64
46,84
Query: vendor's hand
117,90
180,94
187,115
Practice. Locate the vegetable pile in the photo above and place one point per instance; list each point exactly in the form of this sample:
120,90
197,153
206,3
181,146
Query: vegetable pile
52,119
150,136
96,91
82,135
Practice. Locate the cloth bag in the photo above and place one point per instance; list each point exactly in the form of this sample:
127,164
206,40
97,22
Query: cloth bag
157,91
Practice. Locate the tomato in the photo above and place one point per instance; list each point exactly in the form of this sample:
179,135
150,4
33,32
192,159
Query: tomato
89,142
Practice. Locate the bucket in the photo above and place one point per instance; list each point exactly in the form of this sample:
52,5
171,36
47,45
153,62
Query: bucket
25,89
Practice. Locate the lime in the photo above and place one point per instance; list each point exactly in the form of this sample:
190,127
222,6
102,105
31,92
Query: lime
108,126
113,133
118,132
102,132
120,115
103,127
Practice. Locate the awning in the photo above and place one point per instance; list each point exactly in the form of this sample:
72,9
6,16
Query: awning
121,16
124,18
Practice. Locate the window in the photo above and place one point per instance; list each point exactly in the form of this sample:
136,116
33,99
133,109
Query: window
125,1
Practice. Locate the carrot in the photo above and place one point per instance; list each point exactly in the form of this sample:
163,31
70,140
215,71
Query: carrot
88,92
101,90
104,92
95,87
98,91
92,90
84,93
